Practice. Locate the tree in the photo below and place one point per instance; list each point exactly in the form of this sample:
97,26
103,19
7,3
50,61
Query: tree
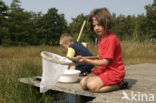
3,11
140,30
51,26
124,26
3,19
151,19
75,27
21,28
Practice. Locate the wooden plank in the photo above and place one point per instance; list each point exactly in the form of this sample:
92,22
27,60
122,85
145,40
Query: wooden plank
73,88
141,79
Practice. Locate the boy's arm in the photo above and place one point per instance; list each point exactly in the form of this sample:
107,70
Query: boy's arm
70,52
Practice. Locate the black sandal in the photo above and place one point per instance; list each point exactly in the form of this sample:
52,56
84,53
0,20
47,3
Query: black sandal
123,84
83,74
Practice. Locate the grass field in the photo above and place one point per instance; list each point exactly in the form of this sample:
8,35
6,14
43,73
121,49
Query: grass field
16,62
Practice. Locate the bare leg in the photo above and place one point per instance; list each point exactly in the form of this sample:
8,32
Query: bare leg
95,84
83,82
108,88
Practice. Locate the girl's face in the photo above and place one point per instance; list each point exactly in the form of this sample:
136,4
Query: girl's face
99,29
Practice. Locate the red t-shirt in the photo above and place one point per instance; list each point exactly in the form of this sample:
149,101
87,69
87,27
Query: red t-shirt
110,48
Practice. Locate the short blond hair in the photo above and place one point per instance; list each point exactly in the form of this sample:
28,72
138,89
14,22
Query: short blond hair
64,38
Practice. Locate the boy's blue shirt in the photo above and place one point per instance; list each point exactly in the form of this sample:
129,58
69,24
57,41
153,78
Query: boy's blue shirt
81,50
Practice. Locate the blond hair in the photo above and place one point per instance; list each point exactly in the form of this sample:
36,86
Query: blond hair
64,38
103,17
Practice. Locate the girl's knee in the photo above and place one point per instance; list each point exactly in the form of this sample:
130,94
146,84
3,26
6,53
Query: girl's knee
91,86
83,84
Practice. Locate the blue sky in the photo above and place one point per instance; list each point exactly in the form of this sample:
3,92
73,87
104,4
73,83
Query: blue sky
72,8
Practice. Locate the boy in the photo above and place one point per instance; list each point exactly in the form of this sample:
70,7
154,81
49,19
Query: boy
76,49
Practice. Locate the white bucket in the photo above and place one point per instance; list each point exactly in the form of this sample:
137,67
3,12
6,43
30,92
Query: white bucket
53,66
69,76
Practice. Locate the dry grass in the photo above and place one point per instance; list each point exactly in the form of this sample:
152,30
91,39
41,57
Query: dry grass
137,53
16,62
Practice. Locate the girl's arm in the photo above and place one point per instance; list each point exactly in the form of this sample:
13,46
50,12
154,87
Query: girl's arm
90,57
86,57
103,62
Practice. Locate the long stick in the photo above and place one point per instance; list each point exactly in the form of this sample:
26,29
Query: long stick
81,31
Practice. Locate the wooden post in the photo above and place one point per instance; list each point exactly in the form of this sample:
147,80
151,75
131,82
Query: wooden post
81,31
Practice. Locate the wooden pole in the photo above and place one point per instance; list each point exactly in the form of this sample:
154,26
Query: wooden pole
81,31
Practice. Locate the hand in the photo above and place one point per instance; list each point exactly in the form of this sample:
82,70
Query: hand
81,59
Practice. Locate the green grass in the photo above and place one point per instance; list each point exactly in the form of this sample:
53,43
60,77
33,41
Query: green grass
17,62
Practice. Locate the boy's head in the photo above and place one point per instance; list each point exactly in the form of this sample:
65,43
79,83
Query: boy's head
65,40
103,17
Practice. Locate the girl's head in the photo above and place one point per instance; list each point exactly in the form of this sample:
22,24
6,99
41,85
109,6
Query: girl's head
103,17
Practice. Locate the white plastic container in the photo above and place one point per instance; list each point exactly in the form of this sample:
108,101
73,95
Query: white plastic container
70,76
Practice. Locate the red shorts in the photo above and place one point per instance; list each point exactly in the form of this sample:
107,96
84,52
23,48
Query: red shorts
108,77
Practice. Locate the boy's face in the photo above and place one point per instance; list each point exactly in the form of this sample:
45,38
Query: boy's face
65,45
99,29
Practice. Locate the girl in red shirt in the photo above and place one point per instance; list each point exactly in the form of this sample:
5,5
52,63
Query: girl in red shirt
110,73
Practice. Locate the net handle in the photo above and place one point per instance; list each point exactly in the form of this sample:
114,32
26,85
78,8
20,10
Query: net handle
84,22
53,60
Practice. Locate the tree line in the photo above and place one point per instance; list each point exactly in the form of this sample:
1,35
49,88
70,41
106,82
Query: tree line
19,27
